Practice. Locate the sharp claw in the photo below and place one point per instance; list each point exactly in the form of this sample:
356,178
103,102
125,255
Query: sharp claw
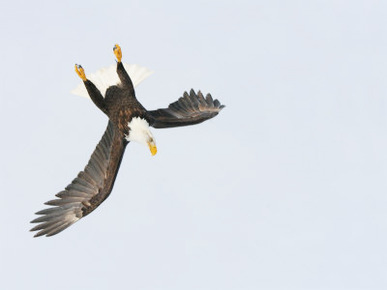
80,72
117,52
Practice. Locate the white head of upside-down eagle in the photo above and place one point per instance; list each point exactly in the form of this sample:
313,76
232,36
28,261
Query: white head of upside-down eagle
128,121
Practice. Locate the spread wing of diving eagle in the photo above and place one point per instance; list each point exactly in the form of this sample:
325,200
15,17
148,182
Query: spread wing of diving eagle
128,121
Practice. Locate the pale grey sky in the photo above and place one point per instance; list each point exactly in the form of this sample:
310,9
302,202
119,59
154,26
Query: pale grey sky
285,189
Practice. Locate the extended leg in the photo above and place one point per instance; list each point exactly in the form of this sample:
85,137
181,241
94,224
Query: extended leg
94,93
122,74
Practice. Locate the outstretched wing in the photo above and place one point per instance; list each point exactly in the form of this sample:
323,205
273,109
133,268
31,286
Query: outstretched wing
88,190
188,110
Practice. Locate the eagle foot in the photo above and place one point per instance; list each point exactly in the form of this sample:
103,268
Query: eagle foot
117,52
80,72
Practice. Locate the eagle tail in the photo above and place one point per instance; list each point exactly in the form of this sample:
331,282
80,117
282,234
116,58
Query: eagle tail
106,77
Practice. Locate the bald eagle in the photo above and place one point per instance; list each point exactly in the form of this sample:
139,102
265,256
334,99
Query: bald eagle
128,121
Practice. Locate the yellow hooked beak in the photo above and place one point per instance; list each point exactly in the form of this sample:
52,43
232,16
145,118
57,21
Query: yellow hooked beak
152,148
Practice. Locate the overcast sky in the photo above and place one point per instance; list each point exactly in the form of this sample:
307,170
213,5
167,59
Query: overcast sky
285,189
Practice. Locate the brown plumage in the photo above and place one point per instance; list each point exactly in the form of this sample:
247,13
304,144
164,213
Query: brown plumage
94,184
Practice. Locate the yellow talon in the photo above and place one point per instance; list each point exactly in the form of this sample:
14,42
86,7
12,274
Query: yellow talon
80,72
117,52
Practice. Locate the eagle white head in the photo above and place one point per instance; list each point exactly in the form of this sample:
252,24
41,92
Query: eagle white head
139,132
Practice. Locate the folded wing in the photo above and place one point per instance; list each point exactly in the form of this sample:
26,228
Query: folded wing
88,190
188,110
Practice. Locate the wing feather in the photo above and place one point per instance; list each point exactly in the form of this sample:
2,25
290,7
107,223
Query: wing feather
88,190
189,109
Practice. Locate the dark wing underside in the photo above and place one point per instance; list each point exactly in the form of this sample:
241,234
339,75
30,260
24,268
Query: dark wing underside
88,190
188,110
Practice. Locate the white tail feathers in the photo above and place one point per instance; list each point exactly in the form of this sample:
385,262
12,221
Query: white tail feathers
106,77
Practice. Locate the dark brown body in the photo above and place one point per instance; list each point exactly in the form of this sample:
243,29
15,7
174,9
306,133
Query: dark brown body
120,103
